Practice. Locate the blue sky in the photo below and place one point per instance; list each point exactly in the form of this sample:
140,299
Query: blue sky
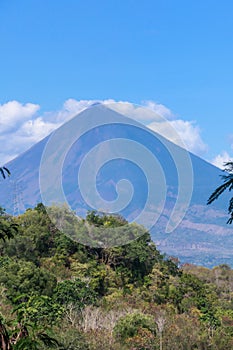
177,54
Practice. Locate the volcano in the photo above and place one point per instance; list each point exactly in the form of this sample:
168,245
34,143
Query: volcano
201,236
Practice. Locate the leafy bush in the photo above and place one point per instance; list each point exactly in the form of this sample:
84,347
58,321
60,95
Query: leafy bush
23,277
129,325
74,292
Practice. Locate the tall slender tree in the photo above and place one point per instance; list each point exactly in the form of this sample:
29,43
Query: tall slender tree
227,184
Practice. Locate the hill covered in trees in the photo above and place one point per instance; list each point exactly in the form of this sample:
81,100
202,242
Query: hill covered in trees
57,293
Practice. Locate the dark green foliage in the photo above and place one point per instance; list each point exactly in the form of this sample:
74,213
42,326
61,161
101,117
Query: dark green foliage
38,238
23,277
132,262
192,292
34,238
74,292
8,227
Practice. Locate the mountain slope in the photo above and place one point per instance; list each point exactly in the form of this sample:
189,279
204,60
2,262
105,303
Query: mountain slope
202,236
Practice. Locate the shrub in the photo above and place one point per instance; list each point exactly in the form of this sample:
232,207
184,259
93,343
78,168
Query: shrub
129,325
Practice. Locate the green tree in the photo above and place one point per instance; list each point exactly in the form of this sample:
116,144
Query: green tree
39,310
8,227
23,277
227,184
74,292
128,326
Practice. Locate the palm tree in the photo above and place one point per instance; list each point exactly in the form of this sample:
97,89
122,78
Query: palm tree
227,183
20,339
4,337
4,171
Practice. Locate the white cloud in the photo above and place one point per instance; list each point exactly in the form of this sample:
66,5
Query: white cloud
146,113
190,134
21,126
14,113
154,115
161,120
36,129
70,108
160,109
183,133
221,158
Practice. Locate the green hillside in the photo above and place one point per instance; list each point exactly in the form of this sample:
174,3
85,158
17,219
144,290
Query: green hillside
59,294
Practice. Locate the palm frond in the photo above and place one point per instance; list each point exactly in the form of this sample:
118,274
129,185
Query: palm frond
47,340
228,184
2,173
4,170
230,220
27,344
228,167
230,208
219,191
7,170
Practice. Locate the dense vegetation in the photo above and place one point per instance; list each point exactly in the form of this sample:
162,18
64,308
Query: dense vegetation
57,293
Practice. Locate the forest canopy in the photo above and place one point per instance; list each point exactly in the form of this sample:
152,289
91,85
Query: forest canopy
58,293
